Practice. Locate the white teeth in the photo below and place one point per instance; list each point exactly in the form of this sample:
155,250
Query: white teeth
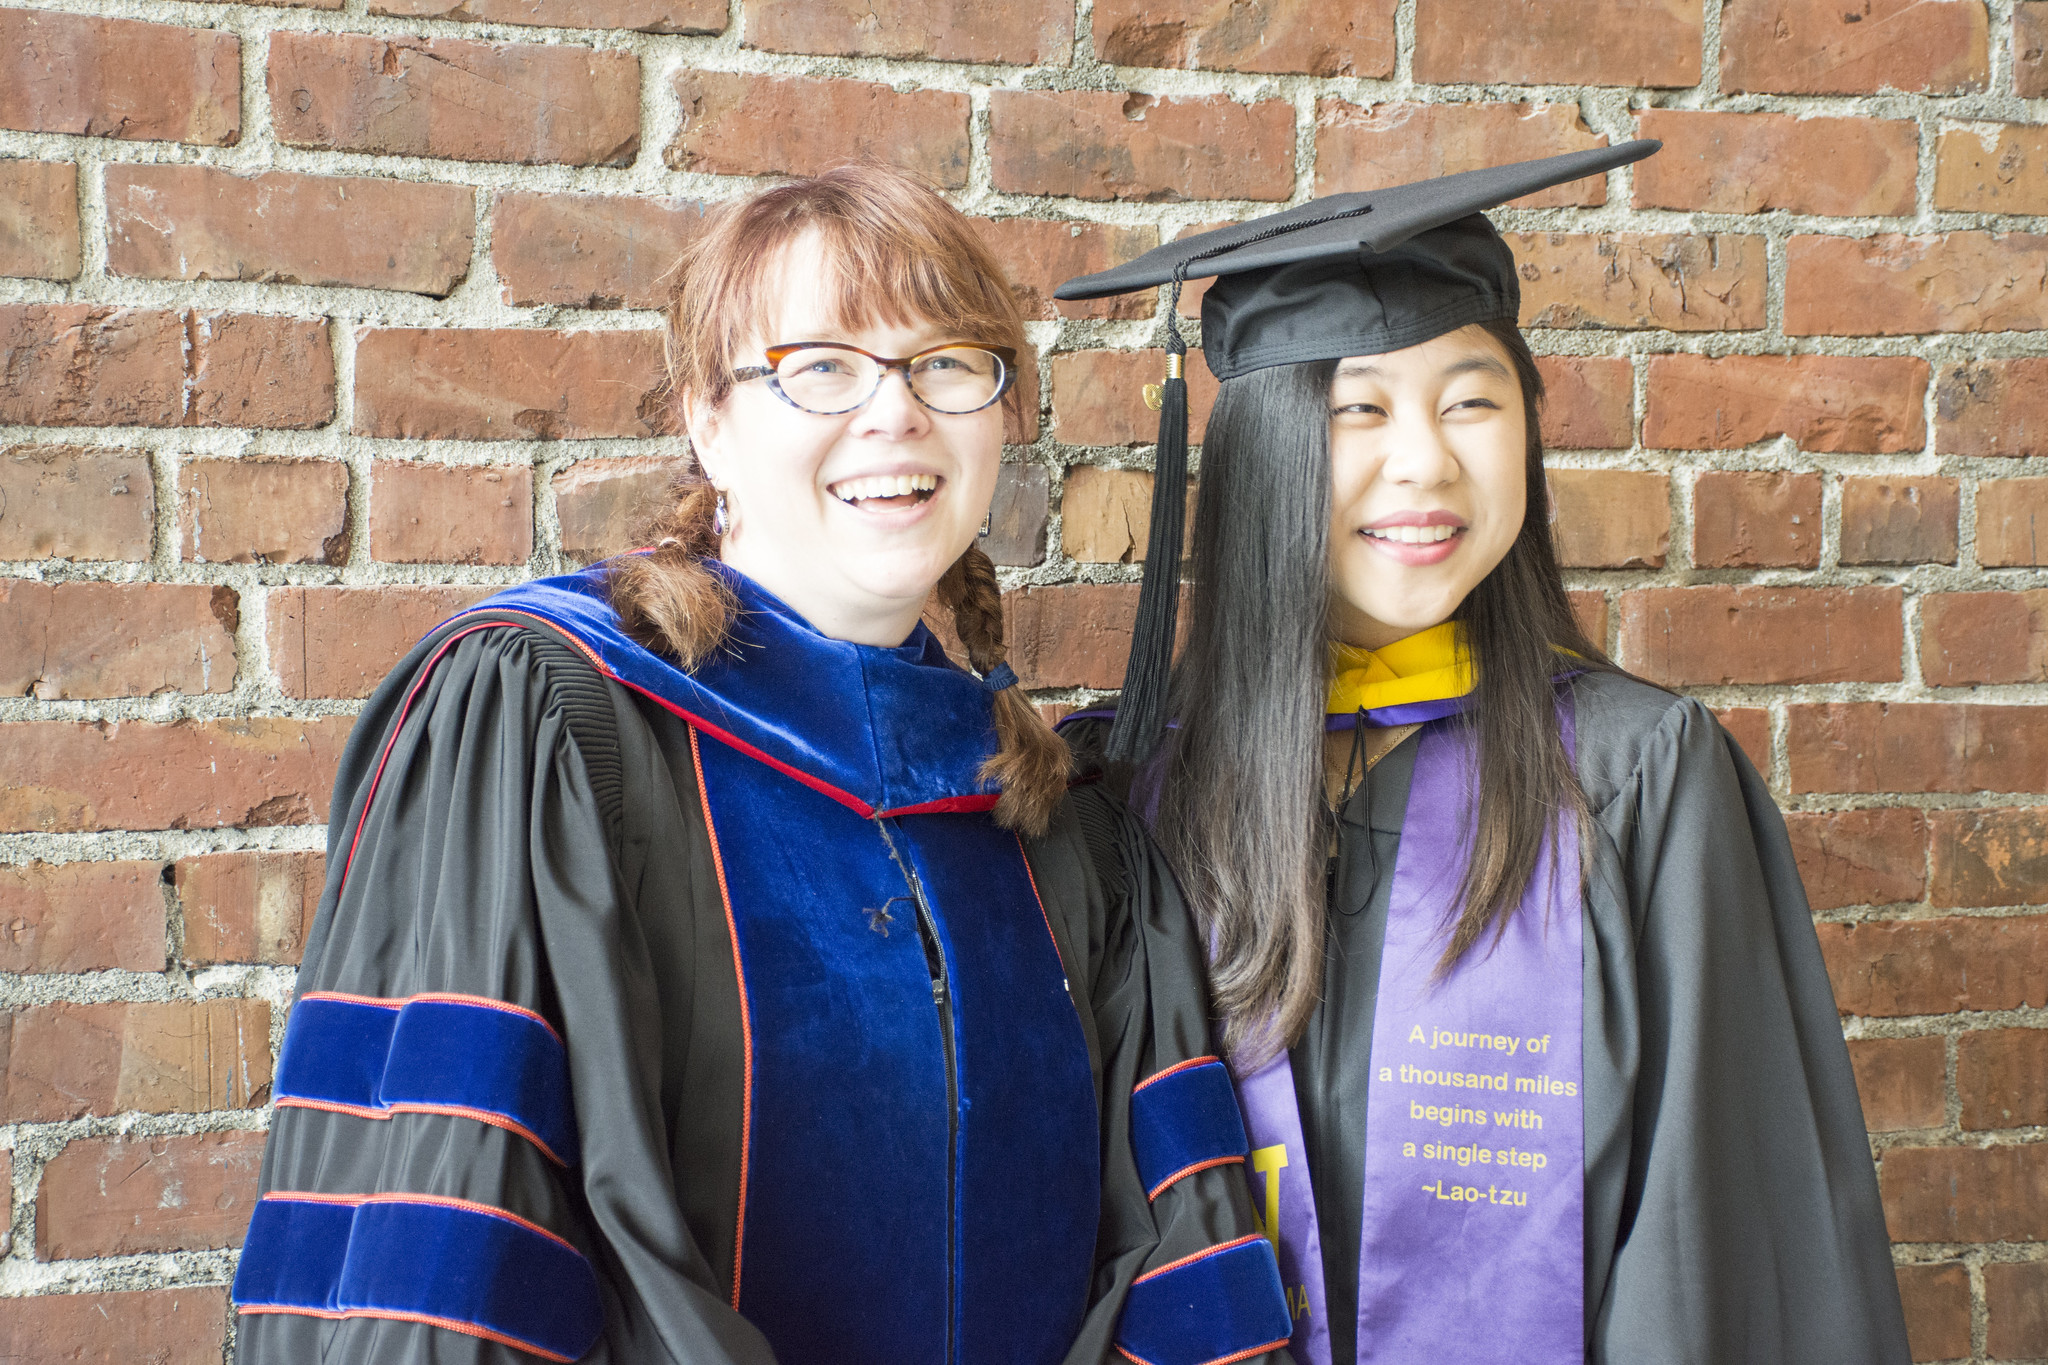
1412,535
884,486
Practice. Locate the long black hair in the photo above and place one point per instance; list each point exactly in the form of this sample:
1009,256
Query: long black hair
1242,814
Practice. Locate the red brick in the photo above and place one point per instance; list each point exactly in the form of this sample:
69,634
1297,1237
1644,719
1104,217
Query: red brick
86,365
1999,1077
1094,144
340,642
1994,856
1024,32
1937,1302
39,220
1891,968
1106,515
1559,42
1755,519
264,511
735,123
1879,746
1018,515
1992,168
115,639
450,514
148,1327
1749,727
74,73
1903,1082
2012,522
1860,857
1824,403
1750,163
1021,406
1966,1194
1040,255
698,17
455,99
505,384
1370,147
1098,397
1984,637
1900,519
1685,283
66,776
589,250
200,223
1070,634
59,502
126,1196
1726,634
67,1061
2016,1310
1895,285
81,917
1826,47
2030,49
603,504
1610,518
248,907
1282,38
1588,402
1992,407
1589,609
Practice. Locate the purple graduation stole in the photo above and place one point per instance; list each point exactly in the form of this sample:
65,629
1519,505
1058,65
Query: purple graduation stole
1472,1245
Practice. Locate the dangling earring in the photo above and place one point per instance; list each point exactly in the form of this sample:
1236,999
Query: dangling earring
986,517
719,520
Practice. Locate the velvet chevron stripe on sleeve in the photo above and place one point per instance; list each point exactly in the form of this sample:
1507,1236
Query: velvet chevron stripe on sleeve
1212,1308
1185,1119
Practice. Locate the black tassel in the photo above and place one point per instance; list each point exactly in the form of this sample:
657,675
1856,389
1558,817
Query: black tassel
1141,714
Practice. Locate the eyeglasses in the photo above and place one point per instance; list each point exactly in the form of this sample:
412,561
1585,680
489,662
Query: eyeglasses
829,377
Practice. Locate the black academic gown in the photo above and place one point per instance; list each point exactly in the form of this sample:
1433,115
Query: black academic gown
1732,1210
538,837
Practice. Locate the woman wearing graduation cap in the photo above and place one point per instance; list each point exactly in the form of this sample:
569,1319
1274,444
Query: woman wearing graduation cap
1508,947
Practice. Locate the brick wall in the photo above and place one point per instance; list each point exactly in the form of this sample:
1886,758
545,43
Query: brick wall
318,321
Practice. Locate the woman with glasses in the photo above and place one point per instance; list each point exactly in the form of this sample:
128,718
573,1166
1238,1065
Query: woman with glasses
709,969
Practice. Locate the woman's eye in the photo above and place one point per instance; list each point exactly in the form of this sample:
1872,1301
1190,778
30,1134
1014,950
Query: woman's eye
1359,410
824,367
1485,404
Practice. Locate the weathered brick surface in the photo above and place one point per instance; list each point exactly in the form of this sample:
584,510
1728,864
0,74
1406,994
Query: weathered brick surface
2016,1298
2012,522
1998,1078
81,917
1640,279
1894,285
450,514
66,775
640,16
1995,168
2030,48
1589,609
340,642
1024,32
1072,634
1098,397
39,220
588,250
1753,519
1106,515
1901,519
1984,637
1690,636
1824,403
1750,727
1094,145
1860,857
66,1061
1889,968
1039,255
1570,42
1967,1194
1018,515
158,1326
1937,1303
456,99
198,223
100,77
1588,402
1610,518
1907,747
261,511
1821,47
742,124
1748,163
1993,856
60,502
122,1196
1992,407
504,384
1903,1082
247,907
1215,35
1369,147
601,504
115,639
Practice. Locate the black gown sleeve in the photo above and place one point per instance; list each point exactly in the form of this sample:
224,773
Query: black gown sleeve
1749,1225
477,827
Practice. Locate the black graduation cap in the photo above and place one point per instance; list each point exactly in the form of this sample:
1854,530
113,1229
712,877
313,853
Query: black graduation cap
1351,274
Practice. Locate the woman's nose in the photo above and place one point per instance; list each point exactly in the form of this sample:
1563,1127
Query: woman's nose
892,410
1418,456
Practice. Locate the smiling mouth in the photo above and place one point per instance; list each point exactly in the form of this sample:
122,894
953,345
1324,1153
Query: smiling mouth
1412,535
886,492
